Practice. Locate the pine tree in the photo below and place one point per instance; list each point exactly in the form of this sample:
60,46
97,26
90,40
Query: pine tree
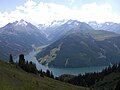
11,59
118,86
21,61
51,75
48,73
41,73
32,67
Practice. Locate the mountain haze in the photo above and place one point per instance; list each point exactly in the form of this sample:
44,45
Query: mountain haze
61,28
19,37
108,26
70,43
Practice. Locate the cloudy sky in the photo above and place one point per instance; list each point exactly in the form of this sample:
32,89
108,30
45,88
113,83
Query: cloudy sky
42,11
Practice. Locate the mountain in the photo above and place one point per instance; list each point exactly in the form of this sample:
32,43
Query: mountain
58,29
54,23
109,26
81,49
13,77
19,37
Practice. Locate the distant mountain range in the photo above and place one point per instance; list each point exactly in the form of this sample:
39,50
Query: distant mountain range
58,29
109,26
79,44
70,43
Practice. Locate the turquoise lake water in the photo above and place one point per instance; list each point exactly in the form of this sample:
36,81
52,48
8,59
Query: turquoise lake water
60,71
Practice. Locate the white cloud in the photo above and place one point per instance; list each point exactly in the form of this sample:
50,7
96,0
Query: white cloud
71,1
37,13
100,13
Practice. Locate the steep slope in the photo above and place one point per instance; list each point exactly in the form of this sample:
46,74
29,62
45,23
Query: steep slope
55,31
108,82
13,78
19,37
85,48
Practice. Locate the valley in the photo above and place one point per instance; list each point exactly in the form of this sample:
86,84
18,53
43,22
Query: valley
60,45
60,71
68,44
72,49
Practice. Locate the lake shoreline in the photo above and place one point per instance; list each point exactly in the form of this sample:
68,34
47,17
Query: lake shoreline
60,71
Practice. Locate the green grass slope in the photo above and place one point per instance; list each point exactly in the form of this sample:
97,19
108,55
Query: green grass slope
14,78
100,35
109,82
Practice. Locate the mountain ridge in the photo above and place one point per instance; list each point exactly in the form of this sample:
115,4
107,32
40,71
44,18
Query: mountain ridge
108,26
80,50
18,38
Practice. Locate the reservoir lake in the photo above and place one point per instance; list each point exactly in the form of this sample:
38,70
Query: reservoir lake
59,71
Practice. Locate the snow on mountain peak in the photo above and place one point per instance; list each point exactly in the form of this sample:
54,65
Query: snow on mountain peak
76,23
55,23
69,22
22,23
73,22
108,23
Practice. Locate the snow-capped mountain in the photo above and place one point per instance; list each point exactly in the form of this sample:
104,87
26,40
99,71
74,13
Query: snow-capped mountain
54,23
94,24
21,23
20,37
20,27
82,49
109,26
57,29
48,28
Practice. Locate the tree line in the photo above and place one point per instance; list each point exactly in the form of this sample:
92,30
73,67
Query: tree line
89,79
30,67
86,80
